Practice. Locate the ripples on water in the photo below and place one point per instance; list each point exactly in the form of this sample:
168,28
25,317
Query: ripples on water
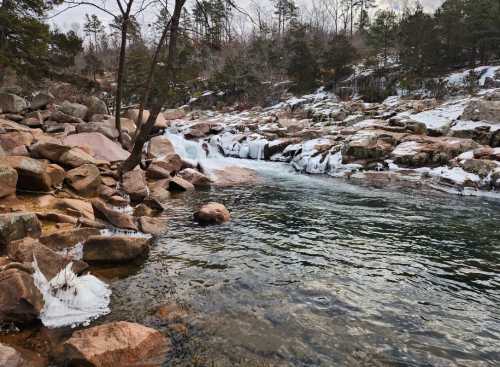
315,272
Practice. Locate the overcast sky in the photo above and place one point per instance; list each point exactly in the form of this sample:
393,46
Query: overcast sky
76,15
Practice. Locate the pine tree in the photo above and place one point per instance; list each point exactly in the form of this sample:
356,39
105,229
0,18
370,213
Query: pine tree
382,33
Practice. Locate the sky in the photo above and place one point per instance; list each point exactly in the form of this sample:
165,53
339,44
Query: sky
67,19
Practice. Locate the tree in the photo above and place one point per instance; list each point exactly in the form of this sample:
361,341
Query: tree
286,10
338,58
302,67
382,33
24,37
94,29
63,48
450,19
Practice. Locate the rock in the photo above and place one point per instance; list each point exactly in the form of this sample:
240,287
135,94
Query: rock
482,110
368,145
419,151
32,173
198,131
159,146
195,177
74,207
85,180
8,180
12,103
15,226
154,226
128,126
16,141
41,100
133,114
174,114
115,249
121,344
20,300
480,167
479,131
178,184
56,174
96,107
212,213
101,147
234,176
76,157
63,118
93,127
164,167
74,109
116,218
49,262
49,149
63,239
17,357
135,185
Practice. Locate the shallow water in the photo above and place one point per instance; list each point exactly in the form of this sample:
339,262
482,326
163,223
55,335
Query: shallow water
316,272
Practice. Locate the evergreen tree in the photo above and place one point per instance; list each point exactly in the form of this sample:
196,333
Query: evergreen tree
338,58
382,33
302,67
450,19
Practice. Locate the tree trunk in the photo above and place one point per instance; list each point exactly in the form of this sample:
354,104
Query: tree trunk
120,77
135,157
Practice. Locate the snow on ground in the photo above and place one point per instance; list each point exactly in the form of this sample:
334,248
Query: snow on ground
439,118
458,79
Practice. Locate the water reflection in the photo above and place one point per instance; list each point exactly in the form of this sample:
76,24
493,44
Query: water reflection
314,272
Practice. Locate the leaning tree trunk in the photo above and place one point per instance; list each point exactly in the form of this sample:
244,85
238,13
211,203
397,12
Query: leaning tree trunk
135,157
120,77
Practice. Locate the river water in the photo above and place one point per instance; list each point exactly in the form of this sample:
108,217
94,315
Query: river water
313,271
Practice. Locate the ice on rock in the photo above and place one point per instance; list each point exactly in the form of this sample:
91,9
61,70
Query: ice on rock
71,300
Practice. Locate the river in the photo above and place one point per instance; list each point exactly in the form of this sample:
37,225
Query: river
314,271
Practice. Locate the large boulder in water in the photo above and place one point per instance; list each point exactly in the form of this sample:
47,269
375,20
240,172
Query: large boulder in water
195,177
100,146
165,167
116,218
121,344
115,249
20,300
212,213
234,176
160,146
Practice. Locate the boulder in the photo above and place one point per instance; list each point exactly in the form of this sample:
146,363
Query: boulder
100,146
14,142
178,184
12,103
195,177
66,238
49,262
95,107
115,249
32,173
74,109
74,207
368,145
20,300
482,110
159,146
198,131
49,149
95,127
234,176
56,174
212,213
116,218
41,100
76,157
85,180
480,167
120,343
17,357
15,226
419,151
133,114
63,118
164,167
174,114
135,185
8,180
154,226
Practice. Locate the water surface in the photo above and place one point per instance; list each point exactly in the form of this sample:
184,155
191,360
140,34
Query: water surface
317,272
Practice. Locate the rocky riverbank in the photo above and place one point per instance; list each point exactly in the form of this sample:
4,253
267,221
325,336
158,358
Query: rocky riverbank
65,211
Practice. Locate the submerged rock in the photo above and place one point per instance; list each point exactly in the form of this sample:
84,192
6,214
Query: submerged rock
121,344
212,213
